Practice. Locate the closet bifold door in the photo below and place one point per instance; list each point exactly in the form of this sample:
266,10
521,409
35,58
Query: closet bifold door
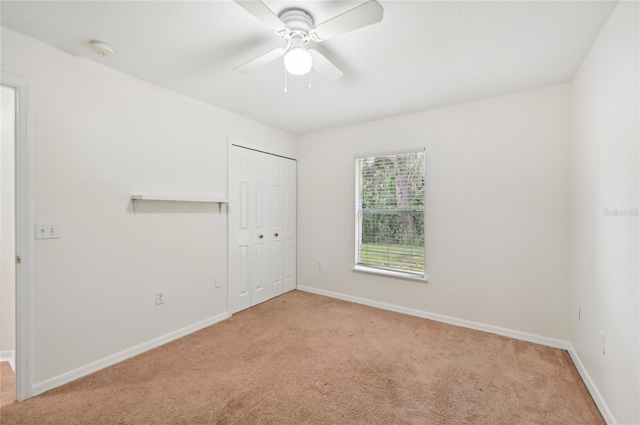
262,224
260,220
276,233
288,235
240,232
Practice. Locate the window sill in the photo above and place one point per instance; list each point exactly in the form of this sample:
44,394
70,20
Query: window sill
389,273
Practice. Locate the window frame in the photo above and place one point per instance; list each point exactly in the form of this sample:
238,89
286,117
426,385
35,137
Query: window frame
381,271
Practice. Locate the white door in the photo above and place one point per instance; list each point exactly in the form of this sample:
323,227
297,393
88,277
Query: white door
260,220
276,235
240,232
288,234
262,227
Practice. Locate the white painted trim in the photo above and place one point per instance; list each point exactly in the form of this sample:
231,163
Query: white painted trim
358,268
230,143
591,386
72,375
9,356
523,336
25,154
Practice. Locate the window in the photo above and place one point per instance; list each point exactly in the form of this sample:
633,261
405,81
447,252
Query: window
390,214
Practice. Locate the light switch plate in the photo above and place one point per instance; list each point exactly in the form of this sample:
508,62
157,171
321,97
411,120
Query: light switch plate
47,230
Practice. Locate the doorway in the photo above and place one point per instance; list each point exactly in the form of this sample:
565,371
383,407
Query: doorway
16,252
7,245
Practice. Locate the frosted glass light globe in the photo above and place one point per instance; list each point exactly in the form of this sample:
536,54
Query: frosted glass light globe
297,61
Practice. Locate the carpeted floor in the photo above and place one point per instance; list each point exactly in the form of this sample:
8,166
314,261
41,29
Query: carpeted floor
306,359
7,385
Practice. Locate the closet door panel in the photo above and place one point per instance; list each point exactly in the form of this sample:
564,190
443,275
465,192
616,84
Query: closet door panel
261,253
289,225
240,230
276,228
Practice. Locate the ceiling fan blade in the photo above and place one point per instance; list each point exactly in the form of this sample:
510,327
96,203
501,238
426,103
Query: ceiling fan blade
324,66
262,13
260,60
361,16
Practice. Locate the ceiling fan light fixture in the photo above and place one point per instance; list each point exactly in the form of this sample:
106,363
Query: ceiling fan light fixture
298,61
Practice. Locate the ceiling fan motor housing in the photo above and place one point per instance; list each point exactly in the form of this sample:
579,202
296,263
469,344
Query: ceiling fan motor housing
297,20
299,24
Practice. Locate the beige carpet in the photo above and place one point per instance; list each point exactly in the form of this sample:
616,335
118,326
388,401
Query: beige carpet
7,384
307,359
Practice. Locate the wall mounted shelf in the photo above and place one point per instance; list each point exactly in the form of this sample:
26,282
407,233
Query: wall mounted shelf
153,198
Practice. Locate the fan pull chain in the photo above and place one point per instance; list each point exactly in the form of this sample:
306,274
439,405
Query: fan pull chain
285,80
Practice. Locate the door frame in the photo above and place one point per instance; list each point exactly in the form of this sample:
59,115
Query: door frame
230,143
24,157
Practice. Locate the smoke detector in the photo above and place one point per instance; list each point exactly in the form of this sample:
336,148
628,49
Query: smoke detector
101,49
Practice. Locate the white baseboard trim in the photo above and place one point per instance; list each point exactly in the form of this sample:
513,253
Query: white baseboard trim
9,356
72,375
591,386
537,339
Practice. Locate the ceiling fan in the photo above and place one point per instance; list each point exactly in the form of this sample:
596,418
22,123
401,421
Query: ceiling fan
297,29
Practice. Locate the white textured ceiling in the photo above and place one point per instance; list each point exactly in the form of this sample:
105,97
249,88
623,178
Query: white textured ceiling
424,54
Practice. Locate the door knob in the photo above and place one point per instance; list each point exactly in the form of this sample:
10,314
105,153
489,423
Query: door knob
276,235
261,236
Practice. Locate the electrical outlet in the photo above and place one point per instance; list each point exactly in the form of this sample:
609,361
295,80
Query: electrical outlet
319,265
159,297
218,282
602,342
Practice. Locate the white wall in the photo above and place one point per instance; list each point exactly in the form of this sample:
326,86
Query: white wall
496,210
7,223
101,136
605,263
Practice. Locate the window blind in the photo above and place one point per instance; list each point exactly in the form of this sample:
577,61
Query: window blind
390,193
